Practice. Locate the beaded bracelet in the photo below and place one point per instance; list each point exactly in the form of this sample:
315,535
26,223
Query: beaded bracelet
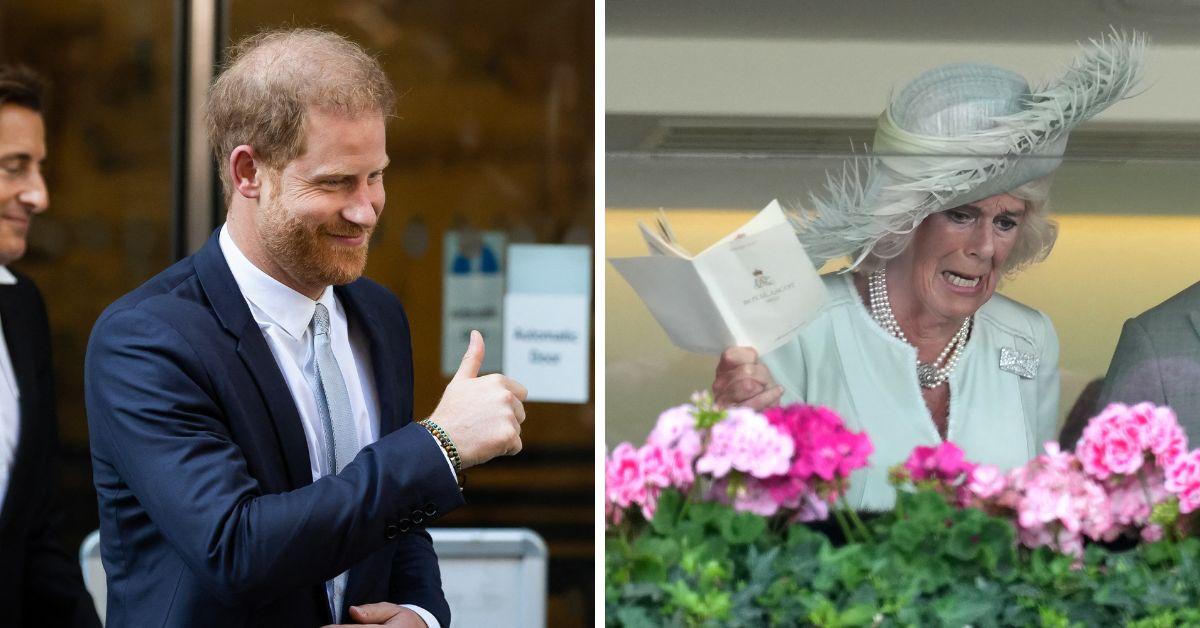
444,439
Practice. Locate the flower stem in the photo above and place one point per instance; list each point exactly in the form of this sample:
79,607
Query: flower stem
854,518
862,527
842,523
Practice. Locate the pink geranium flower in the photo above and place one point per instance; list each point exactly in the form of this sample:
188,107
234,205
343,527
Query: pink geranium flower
985,481
1183,480
650,503
1119,440
1168,440
656,469
1054,502
1111,443
746,496
746,442
1134,498
824,447
1056,506
788,459
944,463
676,429
624,483
812,508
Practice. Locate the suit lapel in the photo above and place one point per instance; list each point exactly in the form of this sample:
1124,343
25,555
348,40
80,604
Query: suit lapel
383,363
1194,316
19,339
230,307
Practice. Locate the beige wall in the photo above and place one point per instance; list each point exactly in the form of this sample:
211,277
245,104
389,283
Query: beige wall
1104,269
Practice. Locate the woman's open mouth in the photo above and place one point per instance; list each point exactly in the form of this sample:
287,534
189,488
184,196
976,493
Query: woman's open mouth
961,283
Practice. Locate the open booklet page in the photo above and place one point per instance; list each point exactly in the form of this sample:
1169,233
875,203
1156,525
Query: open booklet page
755,287
764,285
679,300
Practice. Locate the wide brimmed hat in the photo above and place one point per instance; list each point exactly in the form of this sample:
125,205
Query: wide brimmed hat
957,134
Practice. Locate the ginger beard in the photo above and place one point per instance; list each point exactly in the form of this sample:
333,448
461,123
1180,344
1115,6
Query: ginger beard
309,252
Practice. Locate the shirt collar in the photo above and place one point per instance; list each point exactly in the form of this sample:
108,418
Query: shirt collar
7,278
282,305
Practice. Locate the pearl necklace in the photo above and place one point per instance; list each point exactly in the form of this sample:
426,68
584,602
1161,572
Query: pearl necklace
930,375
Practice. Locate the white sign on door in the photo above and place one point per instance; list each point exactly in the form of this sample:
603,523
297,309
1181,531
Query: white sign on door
547,321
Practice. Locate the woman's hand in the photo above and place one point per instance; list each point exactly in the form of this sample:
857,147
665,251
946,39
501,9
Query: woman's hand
741,380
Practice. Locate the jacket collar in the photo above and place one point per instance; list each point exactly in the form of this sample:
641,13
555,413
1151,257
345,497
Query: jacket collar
355,299
231,310
285,307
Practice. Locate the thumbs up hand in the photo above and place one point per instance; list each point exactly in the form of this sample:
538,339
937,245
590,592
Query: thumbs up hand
482,415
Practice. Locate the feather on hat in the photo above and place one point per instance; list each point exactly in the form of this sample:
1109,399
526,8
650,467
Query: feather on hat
959,133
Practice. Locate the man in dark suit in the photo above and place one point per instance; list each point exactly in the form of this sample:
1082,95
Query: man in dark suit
39,581
251,407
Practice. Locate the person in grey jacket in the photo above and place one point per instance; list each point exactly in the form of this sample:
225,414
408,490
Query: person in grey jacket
1158,359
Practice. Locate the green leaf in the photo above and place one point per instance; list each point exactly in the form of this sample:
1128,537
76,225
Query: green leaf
908,535
1161,554
742,527
666,517
705,512
861,615
1115,595
648,569
1053,618
965,607
664,549
761,565
966,541
634,617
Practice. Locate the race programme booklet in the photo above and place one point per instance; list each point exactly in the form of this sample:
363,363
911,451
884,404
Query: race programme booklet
755,287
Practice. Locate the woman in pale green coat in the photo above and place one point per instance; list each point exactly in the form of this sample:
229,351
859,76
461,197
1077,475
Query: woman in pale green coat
914,345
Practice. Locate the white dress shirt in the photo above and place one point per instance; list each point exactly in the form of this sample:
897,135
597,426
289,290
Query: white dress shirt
10,404
284,315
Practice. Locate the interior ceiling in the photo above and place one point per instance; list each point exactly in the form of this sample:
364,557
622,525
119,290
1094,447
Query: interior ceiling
1167,22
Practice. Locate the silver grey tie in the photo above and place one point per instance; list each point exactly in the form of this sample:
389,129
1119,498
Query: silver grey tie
341,439
333,403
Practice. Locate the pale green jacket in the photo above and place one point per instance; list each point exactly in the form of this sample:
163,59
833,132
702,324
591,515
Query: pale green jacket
844,360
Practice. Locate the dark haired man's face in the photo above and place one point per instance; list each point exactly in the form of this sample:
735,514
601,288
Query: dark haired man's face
22,189
321,209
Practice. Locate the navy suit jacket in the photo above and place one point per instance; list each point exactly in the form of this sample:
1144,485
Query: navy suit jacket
40,582
208,512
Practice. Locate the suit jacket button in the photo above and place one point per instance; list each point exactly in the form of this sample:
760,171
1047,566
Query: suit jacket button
391,531
430,509
404,525
417,517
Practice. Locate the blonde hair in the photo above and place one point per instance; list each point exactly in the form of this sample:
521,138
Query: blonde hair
1034,242
1038,231
272,79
